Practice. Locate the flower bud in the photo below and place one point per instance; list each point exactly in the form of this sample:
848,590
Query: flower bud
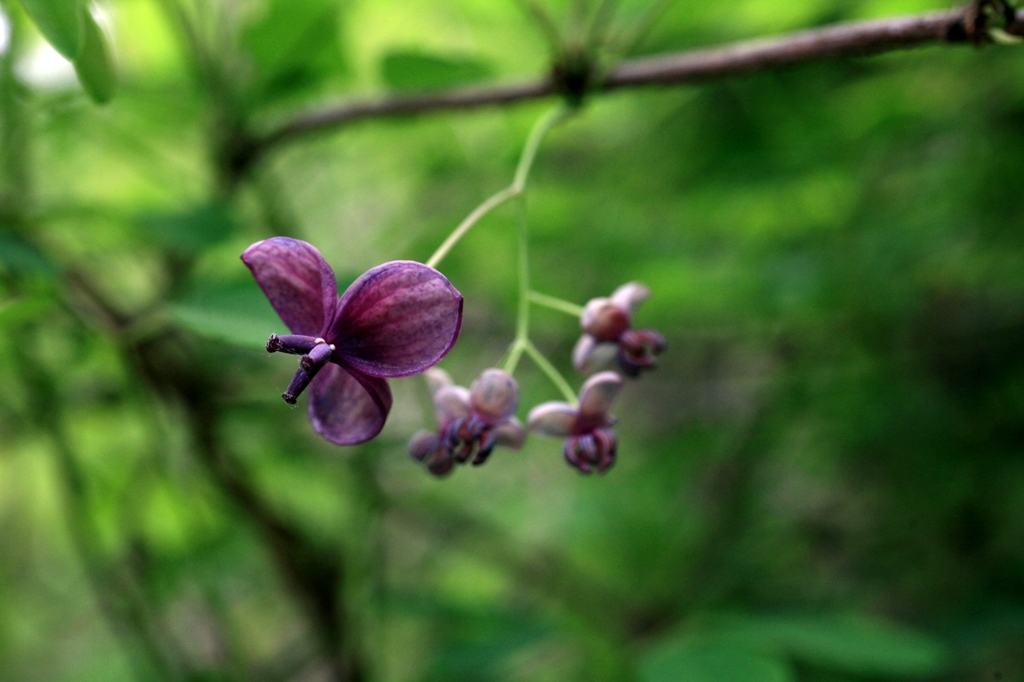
494,395
604,320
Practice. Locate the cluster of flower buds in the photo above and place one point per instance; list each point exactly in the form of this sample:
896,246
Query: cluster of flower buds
471,422
400,319
590,443
608,333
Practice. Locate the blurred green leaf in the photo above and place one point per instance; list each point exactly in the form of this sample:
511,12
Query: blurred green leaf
688,661
191,230
294,46
858,644
61,22
95,64
24,309
237,313
416,70
21,257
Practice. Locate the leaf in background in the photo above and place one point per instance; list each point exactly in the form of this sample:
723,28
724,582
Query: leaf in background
294,46
95,63
24,309
415,70
236,313
23,258
857,644
689,661
192,230
61,22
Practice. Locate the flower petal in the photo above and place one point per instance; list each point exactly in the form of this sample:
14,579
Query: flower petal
346,407
422,444
552,419
437,379
397,319
630,296
450,403
494,395
297,280
589,355
597,396
510,434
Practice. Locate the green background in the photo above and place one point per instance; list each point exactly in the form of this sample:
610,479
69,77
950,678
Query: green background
822,481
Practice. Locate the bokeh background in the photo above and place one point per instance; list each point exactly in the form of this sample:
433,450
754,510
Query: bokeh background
822,481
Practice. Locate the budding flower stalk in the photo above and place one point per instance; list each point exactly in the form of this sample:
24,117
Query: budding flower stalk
608,334
591,444
471,422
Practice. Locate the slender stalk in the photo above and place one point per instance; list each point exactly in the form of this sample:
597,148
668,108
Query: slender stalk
523,315
511,359
549,370
556,304
522,341
477,213
526,159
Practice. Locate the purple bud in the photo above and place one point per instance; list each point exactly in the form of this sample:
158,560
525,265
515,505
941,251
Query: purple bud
604,320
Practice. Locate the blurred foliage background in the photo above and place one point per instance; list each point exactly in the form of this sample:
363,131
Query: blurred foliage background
823,480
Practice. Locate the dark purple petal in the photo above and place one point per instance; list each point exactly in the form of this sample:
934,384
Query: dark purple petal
297,280
396,320
346,407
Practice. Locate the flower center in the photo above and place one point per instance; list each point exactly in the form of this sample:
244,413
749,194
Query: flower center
315,353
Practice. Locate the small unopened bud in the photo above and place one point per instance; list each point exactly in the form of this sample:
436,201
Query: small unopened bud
604,320
494,395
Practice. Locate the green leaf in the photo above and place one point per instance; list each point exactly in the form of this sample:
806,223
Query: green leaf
192,230
23,258
415,70
24,309
294,47
857,644
236,313
95,64
61,23
690,661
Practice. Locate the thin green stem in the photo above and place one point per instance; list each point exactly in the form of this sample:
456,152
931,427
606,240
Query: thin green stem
540,130
553,374
523,316
512,355
523,311
526,159
470,220
556,304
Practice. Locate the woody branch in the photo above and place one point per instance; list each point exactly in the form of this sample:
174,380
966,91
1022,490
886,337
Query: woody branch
848,39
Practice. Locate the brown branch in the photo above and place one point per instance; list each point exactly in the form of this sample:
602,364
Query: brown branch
849,39
855,38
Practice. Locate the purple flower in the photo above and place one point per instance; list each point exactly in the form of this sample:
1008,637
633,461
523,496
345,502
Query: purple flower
608,333
471,422
396,320
590,443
